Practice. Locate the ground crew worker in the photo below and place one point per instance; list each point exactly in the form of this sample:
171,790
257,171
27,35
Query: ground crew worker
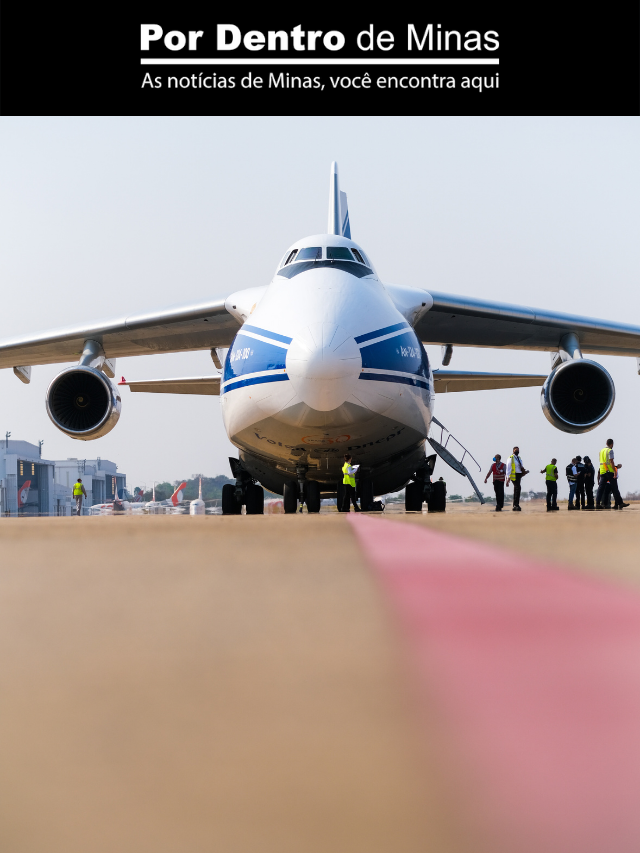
606,495
580,495
349,485
572,478
78,492
609,474
515,473
589,481
551,478
499,471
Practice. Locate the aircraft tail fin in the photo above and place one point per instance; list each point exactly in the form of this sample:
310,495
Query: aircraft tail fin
176,497
338,208
344,215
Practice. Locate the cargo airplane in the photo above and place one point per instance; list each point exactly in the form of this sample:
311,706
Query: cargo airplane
323,359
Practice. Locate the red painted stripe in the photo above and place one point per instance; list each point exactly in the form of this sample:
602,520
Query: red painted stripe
536,673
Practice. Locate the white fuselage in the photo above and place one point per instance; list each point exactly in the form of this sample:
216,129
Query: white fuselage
325,363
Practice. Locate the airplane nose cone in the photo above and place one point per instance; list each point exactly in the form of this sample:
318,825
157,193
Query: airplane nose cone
323,364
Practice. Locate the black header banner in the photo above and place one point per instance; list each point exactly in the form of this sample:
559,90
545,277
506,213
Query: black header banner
202,59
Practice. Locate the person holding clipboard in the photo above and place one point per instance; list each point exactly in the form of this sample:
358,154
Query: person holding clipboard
349,483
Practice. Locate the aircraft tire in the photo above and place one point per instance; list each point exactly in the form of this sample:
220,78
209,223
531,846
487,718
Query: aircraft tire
366,495
229,503
413,497
312,495
255,500
290,497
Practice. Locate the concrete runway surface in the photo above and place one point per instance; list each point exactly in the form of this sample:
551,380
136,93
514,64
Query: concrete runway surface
182,685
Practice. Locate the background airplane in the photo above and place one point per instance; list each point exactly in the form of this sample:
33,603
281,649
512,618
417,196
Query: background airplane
23,493
137,505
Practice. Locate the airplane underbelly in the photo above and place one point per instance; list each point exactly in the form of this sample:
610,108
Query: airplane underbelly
378,421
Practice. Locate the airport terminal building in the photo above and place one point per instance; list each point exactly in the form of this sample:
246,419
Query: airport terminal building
31,485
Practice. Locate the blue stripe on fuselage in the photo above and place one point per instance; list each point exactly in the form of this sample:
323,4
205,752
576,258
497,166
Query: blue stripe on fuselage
268,334
380,332
249,355
403,380
255,380
402,352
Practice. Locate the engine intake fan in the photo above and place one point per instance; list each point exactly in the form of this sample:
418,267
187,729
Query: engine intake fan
577,396
82,403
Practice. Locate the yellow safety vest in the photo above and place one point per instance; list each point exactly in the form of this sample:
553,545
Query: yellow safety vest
551,475
347,480
511,470
605,462
77,489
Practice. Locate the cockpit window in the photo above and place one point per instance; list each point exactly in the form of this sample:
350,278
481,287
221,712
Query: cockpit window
291,257
313,253
357,255
339,253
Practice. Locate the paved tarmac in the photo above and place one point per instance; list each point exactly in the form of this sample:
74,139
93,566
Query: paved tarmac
606,543
182,685
188,685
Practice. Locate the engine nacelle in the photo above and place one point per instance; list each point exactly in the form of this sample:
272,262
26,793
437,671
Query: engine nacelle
577,396
82,403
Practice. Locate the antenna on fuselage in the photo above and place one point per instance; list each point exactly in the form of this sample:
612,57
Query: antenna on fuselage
338,208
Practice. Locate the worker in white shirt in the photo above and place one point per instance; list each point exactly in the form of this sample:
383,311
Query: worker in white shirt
515,473
609,474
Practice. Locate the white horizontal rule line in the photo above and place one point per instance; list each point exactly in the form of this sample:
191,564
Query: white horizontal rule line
308,61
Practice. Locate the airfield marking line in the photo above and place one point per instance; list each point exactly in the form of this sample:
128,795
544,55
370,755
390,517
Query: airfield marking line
536,674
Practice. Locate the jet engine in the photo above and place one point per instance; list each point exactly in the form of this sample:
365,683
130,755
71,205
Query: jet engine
82,403
577,396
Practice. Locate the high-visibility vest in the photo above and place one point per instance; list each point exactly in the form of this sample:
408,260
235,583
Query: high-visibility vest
605,462
77,489
551,472
346,479
511,469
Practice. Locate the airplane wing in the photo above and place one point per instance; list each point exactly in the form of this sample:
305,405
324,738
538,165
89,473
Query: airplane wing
204,385
471,322
191,327
447,381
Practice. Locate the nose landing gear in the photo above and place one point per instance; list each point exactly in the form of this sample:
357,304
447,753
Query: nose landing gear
290,497
301,491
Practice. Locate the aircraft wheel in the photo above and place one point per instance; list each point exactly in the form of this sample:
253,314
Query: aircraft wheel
366,495
255,500
312,495
230,505
290,497
413,497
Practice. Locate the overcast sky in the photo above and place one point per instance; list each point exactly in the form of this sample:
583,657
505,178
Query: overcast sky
102,216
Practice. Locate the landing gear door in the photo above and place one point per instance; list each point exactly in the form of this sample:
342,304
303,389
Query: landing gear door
430,462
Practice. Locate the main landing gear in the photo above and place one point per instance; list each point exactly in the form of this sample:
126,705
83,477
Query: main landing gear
246,492
422,489
253,500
